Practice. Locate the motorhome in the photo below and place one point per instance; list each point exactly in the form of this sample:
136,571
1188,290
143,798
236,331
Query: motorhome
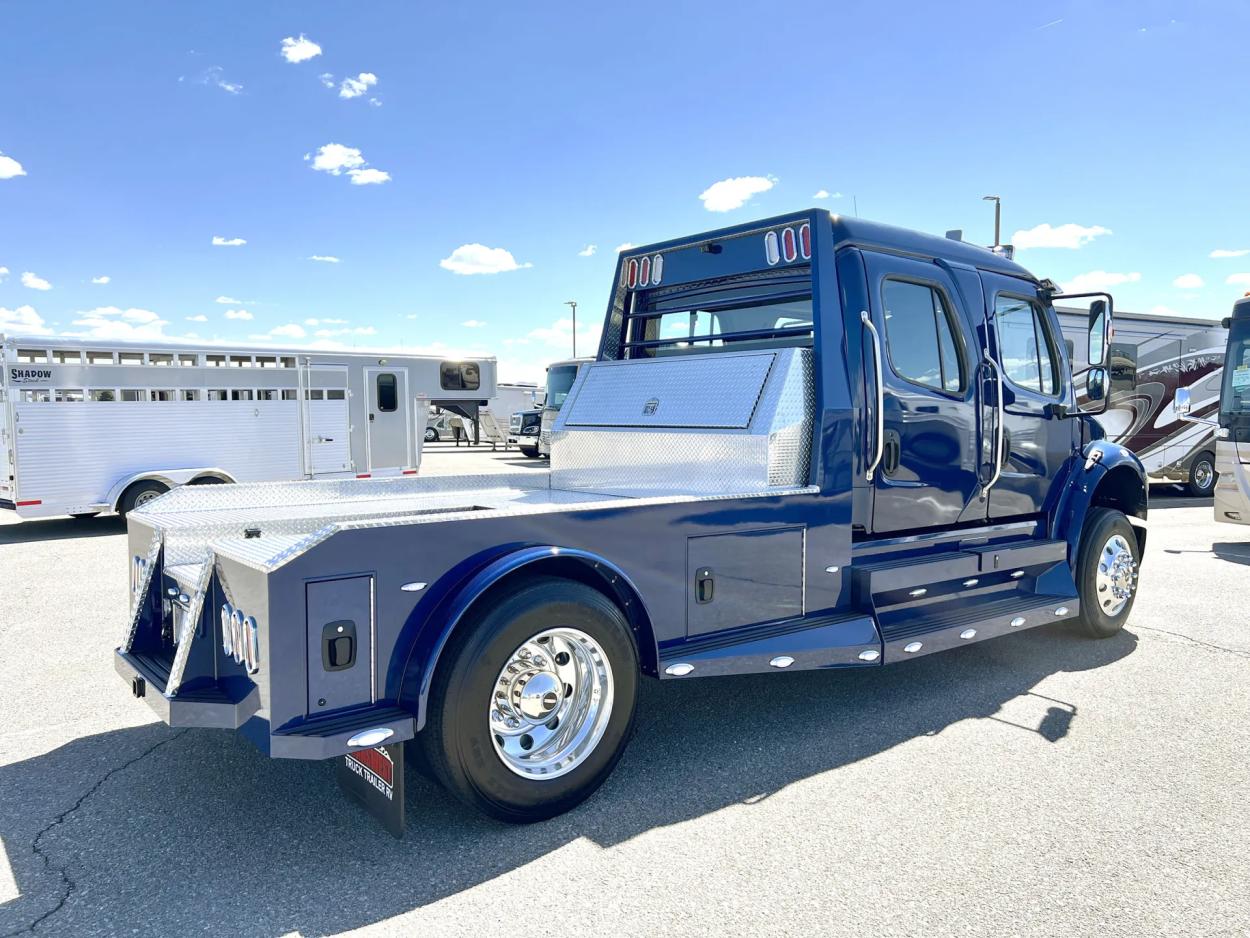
809,442
560,378
92,426
1151,357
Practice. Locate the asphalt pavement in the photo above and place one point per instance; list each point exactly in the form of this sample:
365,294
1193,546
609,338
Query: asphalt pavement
1037,784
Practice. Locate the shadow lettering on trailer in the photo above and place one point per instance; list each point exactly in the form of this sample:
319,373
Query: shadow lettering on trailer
170,832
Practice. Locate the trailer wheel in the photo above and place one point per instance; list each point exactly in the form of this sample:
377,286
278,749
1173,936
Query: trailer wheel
139,495
1202,475
533,701
1107,563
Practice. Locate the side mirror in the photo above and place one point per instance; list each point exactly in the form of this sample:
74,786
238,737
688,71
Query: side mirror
1097,352
1096,389
1183,405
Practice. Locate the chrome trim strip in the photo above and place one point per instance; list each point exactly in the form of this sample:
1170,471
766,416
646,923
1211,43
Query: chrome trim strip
189,625
999,420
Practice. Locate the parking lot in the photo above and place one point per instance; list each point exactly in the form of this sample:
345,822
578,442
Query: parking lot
1037,784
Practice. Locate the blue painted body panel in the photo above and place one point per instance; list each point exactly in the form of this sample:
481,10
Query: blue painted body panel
912,562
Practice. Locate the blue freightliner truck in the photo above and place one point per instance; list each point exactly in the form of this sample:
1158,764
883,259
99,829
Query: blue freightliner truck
809,442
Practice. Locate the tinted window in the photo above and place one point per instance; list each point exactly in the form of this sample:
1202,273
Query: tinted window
920,334
388,394
460,376
1026,346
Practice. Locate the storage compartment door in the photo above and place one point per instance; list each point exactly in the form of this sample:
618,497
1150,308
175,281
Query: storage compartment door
741,579
340,644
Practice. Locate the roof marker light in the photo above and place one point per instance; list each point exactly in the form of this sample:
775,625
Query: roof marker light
771,252
657,269
631,280
805,240
644,272
789,247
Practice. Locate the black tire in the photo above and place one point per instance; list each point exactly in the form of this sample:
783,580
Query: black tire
457,742
1101,526
138,494
84,515
208,480
1202,476
529,453
431,435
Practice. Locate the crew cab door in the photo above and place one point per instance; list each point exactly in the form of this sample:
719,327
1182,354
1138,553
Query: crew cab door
931,421
1038,406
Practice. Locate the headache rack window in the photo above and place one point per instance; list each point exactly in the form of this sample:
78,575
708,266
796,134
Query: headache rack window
720,321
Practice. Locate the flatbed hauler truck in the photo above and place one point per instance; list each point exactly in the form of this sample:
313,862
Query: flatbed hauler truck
808,442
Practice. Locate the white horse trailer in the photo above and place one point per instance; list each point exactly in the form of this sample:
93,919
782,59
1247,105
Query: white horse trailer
95,426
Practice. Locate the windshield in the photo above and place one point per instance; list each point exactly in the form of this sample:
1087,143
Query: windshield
1235,393
559,381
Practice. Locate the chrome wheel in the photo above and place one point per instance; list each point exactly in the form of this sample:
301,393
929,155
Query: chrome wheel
1117,575
1203,475
551,703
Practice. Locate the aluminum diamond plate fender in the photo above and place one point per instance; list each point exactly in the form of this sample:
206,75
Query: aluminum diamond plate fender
431,631
1104,473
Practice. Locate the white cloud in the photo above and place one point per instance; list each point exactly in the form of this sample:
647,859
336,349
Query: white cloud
371,176
1097,280
374,102
355,87
4,272
1217,253
326,79
35,282
1188,282
479,259
1064,236
826,194
559,335
239,314
219,241
213,76
10,168
324,258
200,318
299,50
1239,280
111,322
729,194
473,324
22,321
588,251
627,246
227,301
101,280
290,330
337,159
325,322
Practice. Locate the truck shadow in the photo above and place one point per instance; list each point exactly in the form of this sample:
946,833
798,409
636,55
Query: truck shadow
168,831
60,529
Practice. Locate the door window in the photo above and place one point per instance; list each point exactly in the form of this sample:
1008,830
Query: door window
920,335
1026,346
388,394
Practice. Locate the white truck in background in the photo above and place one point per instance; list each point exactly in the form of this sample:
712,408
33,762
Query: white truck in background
89,426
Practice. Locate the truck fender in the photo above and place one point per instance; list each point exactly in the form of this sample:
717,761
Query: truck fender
436,627
170,477
1104,475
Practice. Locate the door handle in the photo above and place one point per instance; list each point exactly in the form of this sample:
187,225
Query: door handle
876,361
704,585
371,418
893,453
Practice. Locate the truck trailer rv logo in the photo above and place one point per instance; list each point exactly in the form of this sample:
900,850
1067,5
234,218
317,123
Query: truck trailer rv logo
649,408
376,768
30,375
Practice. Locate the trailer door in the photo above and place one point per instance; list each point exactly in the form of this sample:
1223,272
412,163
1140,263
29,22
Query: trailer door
389,426
8,458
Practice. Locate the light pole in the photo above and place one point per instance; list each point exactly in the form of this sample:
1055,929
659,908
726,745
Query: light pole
573,303
998,216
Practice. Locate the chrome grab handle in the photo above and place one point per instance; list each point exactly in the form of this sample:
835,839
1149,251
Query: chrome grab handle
999,420
876,359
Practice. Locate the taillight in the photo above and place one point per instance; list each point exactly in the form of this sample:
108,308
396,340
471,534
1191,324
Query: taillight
631,279
805,241
657,268
772,252
644,271
789,245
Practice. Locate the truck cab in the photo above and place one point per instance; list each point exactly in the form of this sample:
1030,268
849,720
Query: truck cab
808,442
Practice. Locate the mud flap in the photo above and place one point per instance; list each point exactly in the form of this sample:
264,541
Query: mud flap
375,778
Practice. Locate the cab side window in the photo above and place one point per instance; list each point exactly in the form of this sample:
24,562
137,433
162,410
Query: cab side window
1026,346
921,336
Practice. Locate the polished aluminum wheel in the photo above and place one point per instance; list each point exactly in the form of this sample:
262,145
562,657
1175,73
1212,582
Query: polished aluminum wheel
551,703
1117,575
1203,475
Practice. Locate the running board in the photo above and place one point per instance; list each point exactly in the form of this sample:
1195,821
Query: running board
908,633
833,641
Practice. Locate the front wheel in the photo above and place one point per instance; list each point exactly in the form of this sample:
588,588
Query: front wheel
533,701
529,452
1202,476
431,435
1107,564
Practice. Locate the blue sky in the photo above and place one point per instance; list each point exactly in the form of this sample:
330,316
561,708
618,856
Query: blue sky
134,134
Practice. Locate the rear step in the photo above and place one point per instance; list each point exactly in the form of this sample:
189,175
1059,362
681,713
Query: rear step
330,736
911,632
